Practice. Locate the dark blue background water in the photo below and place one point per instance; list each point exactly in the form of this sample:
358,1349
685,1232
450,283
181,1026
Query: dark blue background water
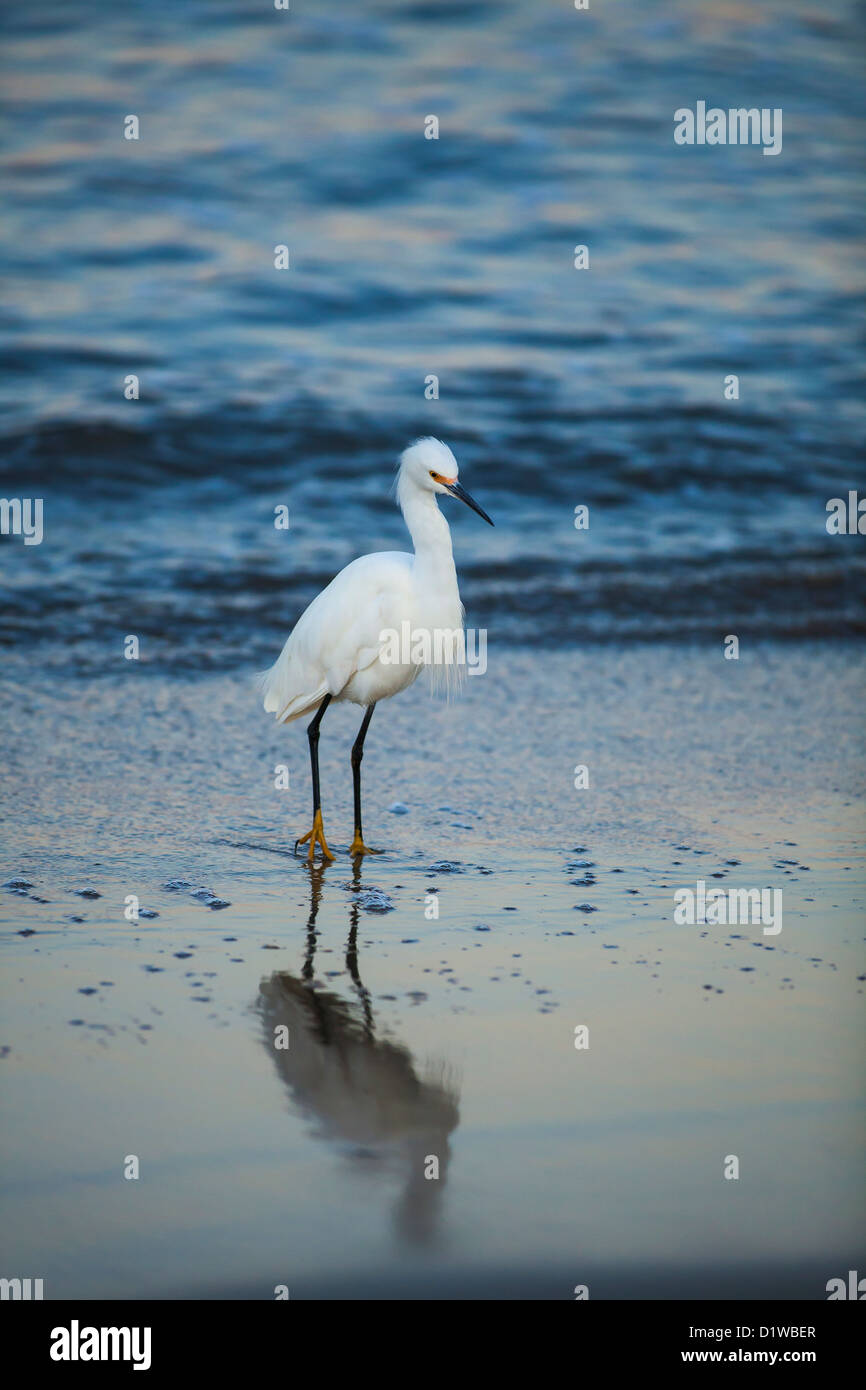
409,257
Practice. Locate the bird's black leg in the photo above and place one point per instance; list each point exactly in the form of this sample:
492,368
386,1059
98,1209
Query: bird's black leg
317,834
357,846
313,736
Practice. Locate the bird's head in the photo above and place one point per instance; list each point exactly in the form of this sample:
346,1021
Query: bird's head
429,466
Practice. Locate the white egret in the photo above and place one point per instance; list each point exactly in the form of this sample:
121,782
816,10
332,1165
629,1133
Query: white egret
350,643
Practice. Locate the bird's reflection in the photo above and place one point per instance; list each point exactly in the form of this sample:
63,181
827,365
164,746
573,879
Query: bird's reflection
363,1090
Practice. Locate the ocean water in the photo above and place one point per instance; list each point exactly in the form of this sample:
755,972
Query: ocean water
451,1037
413,1036
411,257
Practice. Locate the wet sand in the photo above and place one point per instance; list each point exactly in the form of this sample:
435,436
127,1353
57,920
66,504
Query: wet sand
451,1038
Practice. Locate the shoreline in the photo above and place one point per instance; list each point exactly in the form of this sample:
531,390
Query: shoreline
451,1036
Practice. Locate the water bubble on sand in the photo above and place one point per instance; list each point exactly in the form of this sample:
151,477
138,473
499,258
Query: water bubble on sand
374,900
585,907
398,808
209,899
446,866
148,913
87,893
480,928
177,885
27,931
18,885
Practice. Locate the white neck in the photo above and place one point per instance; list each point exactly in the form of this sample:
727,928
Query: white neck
430,534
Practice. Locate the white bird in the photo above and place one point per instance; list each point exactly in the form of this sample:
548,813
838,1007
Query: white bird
384,617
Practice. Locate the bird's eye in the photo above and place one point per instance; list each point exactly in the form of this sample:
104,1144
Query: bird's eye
432,474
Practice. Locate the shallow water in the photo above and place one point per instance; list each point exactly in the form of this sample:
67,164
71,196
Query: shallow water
410,257
453,1037
416,1037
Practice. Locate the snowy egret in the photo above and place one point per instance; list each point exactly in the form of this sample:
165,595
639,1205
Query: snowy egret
343,646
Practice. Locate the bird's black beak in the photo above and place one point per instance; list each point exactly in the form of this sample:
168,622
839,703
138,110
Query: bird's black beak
457,491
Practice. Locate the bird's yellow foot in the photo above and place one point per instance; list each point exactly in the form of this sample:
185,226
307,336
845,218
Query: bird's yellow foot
316,837
358,847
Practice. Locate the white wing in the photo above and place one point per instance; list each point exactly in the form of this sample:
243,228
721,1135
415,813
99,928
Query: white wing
339,634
